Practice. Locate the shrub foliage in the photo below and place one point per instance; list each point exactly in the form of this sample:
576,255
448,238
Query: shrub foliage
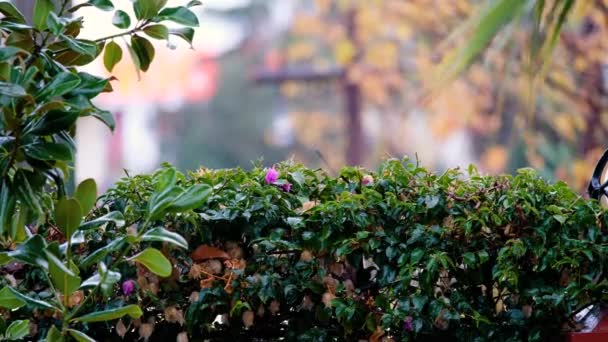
401,254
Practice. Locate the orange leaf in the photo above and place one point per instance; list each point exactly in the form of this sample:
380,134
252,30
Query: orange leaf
205,252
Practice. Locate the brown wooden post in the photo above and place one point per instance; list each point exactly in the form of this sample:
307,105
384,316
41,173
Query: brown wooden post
353,104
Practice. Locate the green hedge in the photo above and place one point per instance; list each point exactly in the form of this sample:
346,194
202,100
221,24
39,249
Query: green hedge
400,254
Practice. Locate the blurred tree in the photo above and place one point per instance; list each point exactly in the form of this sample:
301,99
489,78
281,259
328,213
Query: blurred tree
512,118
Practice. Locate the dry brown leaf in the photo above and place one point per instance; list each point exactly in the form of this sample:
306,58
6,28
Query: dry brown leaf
206,252
121,329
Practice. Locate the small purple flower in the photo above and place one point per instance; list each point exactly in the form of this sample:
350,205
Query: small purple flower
128,287
271,175
407,324
286,187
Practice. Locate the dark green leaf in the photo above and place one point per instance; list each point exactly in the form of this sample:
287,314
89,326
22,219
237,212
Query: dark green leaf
11,90
180,15
154,261
194,197
11,12
61,84
63,278
25,193
144,51
42,9
157,31
17,330
48,151
10,51
163,235
86,194
53,122
31,252
68,215
121,19
147,9
186,33
8,300
7,199
115,217
29,301
105,5
107,315
112,55
106,117
193,3
80,336
81,46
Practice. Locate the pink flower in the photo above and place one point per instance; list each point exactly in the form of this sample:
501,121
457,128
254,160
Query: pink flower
367,180
286,187
271,175
128,287
407,324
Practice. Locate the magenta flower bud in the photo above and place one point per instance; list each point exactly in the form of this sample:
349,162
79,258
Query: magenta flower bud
367,180
407,324
286,187
271,175
128,287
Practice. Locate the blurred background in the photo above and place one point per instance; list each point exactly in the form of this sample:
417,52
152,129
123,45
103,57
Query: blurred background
351,82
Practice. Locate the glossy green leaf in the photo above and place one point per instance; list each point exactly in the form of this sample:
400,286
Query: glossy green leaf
8,300
29,301
101,253
55,24
105,5
7,199
68,215
17,330
48,151
84,47
112,55
163,235
107,315
42,9
106,117
24,191
194,197
80,336
157,31
144,51
193,3
115,217
180,15
12,90
53,122
134,58
10,51
121,19
186,33
63,278
147,9
31,252
11,12
86,194
61,84
155,261
104,278
54,335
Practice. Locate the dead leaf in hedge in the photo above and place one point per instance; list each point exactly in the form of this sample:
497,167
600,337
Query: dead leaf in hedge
145,331
306,206
121,329
182,337
248,318
206,252
375,337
